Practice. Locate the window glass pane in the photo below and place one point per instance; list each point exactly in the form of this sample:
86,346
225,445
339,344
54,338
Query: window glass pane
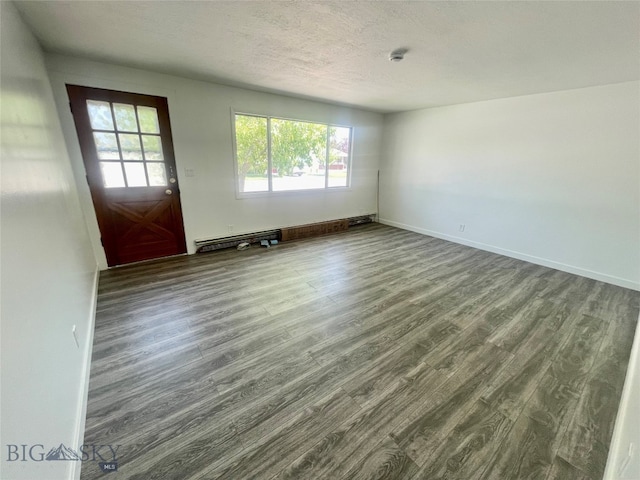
251,153
148,118
339,151
125,117
152,147
100,115
106,146
298,151
130,145
135,174
157,174
112,174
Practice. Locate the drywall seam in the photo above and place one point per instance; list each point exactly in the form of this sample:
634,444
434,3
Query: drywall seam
603,277
84,386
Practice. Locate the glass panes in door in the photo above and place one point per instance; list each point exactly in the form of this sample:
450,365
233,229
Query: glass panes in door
128,144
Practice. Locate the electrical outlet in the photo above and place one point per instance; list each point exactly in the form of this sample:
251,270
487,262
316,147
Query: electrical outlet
75,336
461,229
189,172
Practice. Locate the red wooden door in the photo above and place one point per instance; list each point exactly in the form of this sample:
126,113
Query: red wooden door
125,139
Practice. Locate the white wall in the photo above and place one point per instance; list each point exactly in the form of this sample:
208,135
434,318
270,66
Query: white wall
552,178
201,125
623,462
48,269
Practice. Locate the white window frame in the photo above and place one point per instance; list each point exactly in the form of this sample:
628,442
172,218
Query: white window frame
305,191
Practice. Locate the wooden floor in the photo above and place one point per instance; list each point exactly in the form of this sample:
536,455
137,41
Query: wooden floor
375,353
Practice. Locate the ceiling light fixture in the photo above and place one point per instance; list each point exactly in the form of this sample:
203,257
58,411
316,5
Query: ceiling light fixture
397,54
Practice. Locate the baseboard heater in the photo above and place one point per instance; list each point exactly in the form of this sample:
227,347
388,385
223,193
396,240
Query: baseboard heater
231,242
283,234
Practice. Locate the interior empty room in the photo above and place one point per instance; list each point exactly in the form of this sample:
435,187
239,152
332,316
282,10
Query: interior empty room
320,240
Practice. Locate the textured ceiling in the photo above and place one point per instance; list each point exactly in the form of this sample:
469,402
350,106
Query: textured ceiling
458,52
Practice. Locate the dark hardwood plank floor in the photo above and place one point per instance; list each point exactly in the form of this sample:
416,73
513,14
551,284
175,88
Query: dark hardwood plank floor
375,353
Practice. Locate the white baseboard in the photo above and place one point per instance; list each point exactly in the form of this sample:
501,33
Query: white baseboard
84,387
603,277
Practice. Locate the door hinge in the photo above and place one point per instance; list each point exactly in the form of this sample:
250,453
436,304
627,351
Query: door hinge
87,177
101,241
71,107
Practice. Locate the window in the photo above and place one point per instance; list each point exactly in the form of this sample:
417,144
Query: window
129,149
276,155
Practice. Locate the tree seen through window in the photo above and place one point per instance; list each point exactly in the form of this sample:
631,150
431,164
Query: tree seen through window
302,155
